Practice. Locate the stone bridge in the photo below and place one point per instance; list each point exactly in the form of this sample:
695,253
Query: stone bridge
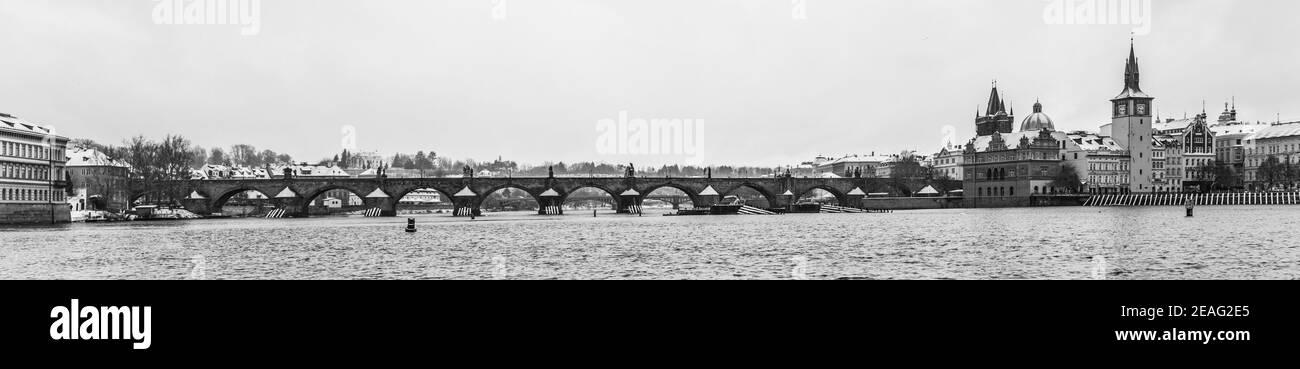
295,195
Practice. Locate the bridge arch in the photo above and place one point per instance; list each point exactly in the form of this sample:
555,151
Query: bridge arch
893,188
771,198
162,195
309,196
567,194
840,197
483,198
398,194
568,190
222,198
691,193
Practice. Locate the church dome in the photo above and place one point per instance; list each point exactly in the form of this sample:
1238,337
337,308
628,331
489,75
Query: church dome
1037,121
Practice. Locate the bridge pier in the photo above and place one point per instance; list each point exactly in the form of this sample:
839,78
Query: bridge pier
387,206
294,207
707,201
550,202
626,203
466,204
201,207
780,202
856,201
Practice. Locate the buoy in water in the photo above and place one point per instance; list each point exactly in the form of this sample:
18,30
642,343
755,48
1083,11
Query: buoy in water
410,225
1191,205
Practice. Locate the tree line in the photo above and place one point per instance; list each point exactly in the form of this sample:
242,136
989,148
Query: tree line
174,156
1277,171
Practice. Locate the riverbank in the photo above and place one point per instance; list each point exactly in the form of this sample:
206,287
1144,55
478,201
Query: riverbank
1234,198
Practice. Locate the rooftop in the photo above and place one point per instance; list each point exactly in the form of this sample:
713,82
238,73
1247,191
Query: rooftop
11,122
1232,129
1276,131
92,158
1012,139
859,159
1094,142
1177,124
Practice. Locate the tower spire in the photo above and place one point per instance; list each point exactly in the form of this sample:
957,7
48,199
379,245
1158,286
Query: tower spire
995,102
1131,71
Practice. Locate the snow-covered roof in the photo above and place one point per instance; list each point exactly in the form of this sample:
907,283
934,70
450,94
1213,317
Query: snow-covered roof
859,159
13,123
1131,92
1012,139
1174,125
1276,131
709,191
1233,129
286,193
465,192
1093,142
92,158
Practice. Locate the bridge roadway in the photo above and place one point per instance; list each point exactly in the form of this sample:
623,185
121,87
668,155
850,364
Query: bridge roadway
295,195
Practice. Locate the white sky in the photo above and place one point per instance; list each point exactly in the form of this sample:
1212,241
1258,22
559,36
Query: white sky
853,77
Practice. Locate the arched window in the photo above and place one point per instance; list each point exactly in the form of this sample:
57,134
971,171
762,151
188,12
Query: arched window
1035,190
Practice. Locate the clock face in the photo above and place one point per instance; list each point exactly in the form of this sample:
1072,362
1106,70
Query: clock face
1122,109
1141,109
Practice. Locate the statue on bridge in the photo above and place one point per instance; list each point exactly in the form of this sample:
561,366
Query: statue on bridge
857,173
708,173
468,172
550,172
288,173
631,170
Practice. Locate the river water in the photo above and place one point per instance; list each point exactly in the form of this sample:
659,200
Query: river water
1249,242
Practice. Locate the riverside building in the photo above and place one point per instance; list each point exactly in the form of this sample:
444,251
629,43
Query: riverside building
32,173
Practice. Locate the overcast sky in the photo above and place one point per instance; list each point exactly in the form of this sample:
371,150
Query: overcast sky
456,77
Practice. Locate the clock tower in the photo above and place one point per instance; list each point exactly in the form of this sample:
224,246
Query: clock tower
1131,125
